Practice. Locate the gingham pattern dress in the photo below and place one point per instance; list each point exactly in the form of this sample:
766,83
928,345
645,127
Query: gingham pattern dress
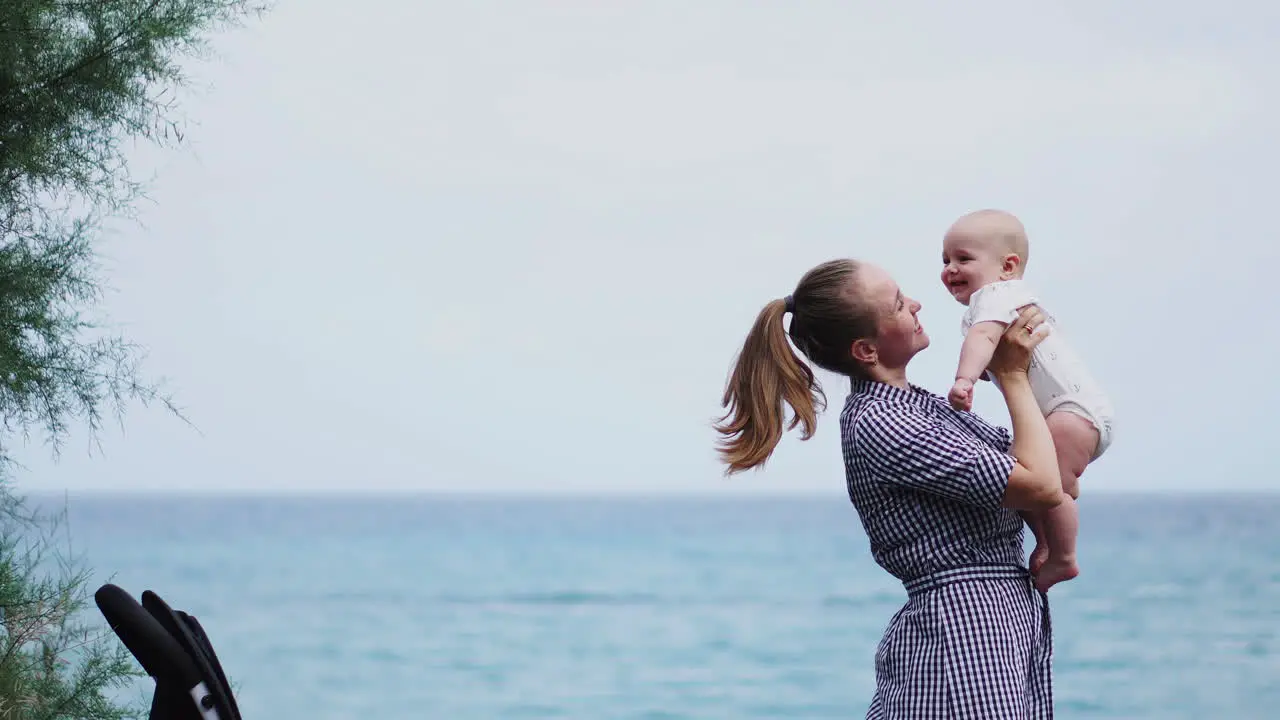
973,639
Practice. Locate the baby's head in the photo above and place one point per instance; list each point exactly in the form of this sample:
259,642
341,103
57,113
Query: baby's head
980,248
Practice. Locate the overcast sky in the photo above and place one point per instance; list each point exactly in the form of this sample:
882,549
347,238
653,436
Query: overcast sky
516,245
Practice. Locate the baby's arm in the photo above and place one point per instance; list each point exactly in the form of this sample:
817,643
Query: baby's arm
979,345
975,354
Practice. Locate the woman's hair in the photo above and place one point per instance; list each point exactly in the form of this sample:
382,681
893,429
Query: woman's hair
828,313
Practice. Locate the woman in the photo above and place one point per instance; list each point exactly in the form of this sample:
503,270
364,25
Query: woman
938,490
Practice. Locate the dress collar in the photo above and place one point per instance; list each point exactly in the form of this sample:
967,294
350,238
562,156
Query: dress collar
913,394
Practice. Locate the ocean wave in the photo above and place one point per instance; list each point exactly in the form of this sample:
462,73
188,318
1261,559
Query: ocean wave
557,598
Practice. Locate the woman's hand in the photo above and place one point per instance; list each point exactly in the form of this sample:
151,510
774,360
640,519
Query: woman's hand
1013,352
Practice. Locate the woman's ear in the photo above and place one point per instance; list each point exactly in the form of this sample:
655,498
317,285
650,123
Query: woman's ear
864,351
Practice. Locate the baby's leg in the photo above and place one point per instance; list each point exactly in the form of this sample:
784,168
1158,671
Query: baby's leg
1075,440
1035,521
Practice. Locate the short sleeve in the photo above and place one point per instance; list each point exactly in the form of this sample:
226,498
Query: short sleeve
999,302
912,448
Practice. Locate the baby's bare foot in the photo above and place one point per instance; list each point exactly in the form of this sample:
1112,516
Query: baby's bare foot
1055,570
1038,558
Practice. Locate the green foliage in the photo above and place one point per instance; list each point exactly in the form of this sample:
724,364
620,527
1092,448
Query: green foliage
54,665
79,80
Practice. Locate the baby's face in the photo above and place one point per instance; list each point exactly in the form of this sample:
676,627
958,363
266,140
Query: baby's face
968,263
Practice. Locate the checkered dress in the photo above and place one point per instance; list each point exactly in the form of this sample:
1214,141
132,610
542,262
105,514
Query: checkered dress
974,639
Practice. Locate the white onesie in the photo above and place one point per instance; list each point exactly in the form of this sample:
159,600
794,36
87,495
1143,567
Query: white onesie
1059,378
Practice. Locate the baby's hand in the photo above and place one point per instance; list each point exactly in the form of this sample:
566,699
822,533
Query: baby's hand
961,395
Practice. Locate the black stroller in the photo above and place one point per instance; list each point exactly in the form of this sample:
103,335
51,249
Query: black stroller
173,649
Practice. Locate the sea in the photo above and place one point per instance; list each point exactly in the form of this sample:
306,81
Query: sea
713,608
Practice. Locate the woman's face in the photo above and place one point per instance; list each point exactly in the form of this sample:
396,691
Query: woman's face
900,334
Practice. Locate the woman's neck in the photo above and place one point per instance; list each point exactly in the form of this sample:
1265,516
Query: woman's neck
896,377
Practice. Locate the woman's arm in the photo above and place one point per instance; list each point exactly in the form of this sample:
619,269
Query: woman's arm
1034,483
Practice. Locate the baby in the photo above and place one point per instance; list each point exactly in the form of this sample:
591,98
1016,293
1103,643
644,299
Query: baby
984,255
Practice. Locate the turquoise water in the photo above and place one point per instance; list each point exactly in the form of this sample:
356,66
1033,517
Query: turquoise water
471,609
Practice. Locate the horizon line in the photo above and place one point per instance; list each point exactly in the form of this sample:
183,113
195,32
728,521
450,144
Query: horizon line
551,494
